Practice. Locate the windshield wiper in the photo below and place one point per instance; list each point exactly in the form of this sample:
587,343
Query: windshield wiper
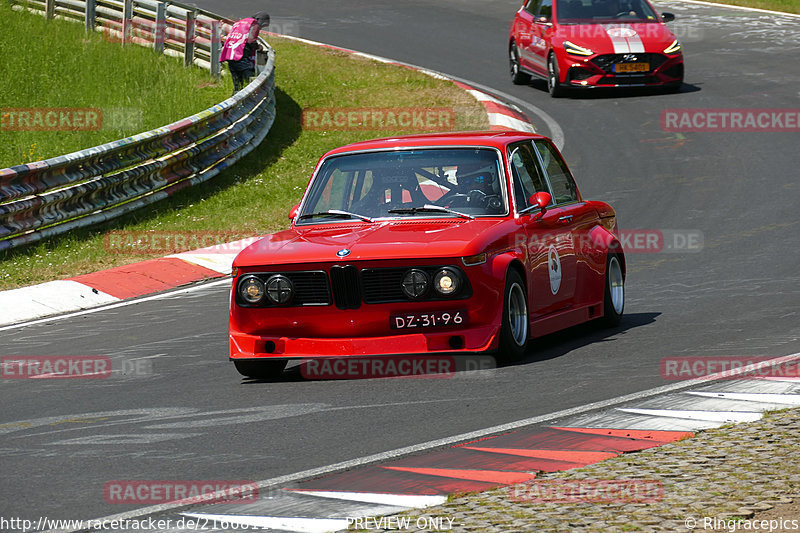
428,208
336,213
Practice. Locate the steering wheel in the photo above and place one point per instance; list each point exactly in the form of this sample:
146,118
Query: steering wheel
625,13
477,196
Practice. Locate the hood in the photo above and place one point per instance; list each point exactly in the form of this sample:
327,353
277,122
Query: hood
612,38
378,240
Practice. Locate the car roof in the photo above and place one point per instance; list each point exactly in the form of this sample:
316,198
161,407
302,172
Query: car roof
495,139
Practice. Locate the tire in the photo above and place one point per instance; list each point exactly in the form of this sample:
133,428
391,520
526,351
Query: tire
514,328
614,294
268,369
517,76
554,87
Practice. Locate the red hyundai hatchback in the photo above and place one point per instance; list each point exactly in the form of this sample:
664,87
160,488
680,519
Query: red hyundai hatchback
427,244
594,43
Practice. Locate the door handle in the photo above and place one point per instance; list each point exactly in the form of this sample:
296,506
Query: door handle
565,219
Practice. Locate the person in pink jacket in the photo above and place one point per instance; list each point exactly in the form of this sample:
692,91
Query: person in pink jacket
240,48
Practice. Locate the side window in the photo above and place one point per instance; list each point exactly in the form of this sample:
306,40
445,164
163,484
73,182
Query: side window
532,6
561,181
526,173
545,10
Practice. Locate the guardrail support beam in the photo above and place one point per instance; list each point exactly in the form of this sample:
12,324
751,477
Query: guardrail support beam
50,9
90,14
188,45
216,47
127,16
160,33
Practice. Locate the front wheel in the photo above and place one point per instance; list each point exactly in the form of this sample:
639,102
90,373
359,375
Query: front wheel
514,329
517,76
553,85
614,297
267,369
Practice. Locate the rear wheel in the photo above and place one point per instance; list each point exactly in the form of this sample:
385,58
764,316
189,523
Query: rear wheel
267,369
514,329
517,76
614,299
553,85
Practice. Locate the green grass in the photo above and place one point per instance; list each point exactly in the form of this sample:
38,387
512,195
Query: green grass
255,195
59,65
787,6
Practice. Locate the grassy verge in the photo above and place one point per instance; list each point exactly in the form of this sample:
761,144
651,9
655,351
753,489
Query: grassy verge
255,195
61,66
787,6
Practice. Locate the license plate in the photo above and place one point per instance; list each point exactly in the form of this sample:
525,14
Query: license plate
632,67
428,320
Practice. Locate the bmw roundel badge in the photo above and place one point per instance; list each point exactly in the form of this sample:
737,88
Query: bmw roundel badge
344,252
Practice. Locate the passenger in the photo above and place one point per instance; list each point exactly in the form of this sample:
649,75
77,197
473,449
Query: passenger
240,49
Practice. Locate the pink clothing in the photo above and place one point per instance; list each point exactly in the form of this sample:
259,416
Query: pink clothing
243,32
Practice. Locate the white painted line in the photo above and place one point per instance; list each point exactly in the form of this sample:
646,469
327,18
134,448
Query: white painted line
456,439
710,416
787,399
740,8
124,303
397,500
301,525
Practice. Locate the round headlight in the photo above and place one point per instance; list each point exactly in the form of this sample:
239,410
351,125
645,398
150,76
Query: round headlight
447,282
251,290
415,284
280,289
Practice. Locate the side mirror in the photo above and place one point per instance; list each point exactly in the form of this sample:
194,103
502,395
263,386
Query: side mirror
667,17
293,212
540,199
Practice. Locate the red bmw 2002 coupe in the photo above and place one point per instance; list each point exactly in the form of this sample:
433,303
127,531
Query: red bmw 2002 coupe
594,43
427,244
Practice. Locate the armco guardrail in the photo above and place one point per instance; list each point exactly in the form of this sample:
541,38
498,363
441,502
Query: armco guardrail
49,197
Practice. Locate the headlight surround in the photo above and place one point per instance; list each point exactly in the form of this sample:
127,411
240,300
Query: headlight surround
279,289
574,49
251,290
674,47
416,284
447,282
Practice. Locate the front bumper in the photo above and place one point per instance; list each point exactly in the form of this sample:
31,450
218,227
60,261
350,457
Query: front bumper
599,71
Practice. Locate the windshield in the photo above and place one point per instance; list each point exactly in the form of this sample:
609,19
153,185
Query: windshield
440,182
588,11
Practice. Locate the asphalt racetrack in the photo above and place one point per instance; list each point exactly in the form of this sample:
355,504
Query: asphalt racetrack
188,415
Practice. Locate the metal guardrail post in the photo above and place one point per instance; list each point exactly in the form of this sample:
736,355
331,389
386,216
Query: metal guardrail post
216,47
127,16
160,33
90,14
50,9
188,45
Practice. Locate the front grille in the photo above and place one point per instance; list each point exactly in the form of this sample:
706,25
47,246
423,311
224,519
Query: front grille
383,285
629,80
311,288
345,287
578,74
607,61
